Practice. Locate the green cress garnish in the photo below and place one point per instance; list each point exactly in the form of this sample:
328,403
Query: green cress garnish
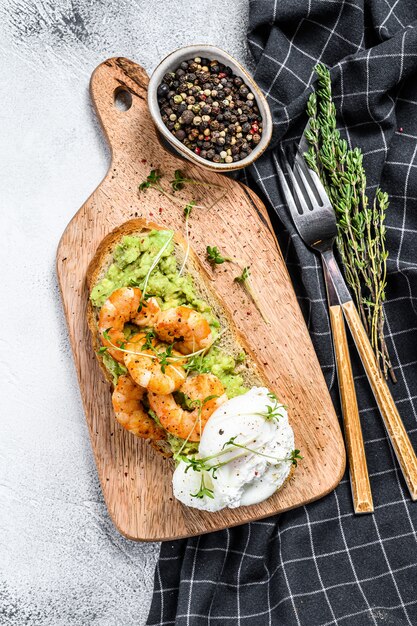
203,490
189,405
272,412
214,257
197,364
152,181
244,280
180,180
187,212
202,465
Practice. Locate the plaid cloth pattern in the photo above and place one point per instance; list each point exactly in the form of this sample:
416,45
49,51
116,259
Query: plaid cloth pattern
321,565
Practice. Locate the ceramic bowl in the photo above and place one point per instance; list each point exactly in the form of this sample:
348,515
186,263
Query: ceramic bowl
171,63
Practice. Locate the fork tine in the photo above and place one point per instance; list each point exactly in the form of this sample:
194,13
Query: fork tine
318,185
297,191
307,185
285,187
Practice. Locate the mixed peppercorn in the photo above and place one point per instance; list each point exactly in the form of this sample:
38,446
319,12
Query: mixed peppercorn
210,110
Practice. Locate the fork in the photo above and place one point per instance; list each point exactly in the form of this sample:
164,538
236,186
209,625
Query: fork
315,221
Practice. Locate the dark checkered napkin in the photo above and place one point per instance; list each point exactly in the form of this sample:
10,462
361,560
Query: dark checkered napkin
321,565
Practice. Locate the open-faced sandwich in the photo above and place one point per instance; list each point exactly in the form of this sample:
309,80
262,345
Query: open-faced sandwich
182,375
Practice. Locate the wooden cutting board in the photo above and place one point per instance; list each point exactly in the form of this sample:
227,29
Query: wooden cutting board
136,481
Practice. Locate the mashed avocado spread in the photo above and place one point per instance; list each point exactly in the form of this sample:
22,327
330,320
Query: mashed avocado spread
132,260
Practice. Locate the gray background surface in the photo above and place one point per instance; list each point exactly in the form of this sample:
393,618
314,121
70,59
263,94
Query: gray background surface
61,560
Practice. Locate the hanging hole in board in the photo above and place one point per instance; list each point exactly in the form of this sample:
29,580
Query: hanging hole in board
122,99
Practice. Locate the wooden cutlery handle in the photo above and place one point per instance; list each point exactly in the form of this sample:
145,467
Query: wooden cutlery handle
392,420
359,479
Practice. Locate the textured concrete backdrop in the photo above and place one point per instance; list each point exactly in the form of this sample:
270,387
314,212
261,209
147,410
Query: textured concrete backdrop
61,560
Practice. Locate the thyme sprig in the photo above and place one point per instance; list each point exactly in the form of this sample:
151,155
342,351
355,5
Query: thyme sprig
360,223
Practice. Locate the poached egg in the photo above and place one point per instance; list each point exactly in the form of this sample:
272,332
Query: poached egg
243,475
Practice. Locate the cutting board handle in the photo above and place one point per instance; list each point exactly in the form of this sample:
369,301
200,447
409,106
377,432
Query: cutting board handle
109,79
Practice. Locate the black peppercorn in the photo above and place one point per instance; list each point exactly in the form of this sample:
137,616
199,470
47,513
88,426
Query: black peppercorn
186,117
162,90
230,130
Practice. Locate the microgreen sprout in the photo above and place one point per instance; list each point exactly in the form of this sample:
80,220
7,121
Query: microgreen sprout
155,263
187,212
204,465
148,345
183,400
215,258
143,303
172,358
180,180
197,364
164,356
244,276
295,456
203,490
189,405
272,412
152,181
244,280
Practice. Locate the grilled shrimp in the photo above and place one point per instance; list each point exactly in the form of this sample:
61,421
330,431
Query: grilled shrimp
127,404
187,328
148,371
124,305
189,424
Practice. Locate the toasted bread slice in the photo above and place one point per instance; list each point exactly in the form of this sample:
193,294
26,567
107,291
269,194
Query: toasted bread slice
231,340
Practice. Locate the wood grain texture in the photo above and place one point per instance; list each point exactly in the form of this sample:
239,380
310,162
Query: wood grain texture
359,478
393,423
136,481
